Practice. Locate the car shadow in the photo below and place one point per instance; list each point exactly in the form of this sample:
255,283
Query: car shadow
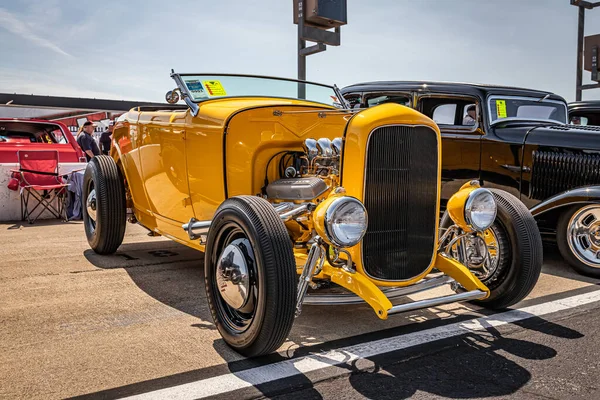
166,271
474,365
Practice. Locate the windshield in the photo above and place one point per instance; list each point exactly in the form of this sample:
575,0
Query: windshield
526,108
205,87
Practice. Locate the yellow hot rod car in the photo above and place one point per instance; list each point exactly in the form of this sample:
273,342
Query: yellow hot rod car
289,193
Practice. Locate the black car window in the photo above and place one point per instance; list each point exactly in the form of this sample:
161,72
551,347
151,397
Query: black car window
526,108
376,99
450,111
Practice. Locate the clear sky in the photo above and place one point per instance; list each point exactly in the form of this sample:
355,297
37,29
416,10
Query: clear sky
125,49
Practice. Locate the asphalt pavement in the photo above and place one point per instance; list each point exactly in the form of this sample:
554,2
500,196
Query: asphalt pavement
73,323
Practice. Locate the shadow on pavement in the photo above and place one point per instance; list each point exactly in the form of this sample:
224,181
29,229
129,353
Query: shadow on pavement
555,265
167,271
471,366
17,225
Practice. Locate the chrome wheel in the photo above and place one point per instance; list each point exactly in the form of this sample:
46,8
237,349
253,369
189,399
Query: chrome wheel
480,253
91,204
234,280
91,208
583,235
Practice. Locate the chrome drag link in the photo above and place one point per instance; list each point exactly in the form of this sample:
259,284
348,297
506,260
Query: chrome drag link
437,301
315,255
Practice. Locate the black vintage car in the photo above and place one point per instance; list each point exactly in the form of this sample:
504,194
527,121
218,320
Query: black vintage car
585,112
518,140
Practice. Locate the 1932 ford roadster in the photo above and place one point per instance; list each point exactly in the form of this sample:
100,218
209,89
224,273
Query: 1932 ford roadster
275,179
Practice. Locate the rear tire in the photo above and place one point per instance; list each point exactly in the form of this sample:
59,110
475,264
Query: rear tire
576,250
104,207
260,320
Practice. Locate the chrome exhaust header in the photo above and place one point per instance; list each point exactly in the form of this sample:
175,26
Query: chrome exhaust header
196,229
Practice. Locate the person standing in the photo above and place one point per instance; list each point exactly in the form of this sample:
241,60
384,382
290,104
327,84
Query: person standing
86,141
105,140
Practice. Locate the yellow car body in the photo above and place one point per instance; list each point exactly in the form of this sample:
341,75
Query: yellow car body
179,166
285,189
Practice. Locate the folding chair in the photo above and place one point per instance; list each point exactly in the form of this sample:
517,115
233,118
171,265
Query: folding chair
40,184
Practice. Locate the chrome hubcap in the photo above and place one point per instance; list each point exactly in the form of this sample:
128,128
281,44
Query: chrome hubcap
584,235
482,254
91,205
233,280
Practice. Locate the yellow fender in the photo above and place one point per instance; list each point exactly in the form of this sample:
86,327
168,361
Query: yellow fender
460,274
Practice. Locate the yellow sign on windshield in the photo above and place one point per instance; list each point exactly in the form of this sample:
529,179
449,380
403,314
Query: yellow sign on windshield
501,108
214,88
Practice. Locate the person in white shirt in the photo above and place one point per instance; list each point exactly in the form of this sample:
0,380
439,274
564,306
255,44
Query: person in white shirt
471,117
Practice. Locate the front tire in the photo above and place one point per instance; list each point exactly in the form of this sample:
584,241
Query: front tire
519,252
578,238
104,207
250,276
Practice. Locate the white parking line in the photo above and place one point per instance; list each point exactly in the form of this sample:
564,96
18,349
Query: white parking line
226,383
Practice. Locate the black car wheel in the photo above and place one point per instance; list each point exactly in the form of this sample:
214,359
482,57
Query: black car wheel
250,276
516,256
578,238
104,208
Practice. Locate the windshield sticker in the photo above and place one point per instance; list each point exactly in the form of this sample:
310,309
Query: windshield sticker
214,88
501,108
196,89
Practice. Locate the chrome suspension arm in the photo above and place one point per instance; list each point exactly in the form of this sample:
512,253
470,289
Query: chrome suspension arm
315,255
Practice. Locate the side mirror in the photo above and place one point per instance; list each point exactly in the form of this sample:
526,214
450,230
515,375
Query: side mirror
172,96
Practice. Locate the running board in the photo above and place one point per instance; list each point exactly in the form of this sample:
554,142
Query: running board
437,301
340,299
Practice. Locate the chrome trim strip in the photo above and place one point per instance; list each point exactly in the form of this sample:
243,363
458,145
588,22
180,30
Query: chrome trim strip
434,251
437,301
339,299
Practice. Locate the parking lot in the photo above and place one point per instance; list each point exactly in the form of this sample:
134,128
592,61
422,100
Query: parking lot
136,323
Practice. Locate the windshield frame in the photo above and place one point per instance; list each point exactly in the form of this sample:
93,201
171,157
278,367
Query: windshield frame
529,98
193,104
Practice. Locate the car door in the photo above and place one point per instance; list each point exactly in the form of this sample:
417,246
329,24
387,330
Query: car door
164,168
461,138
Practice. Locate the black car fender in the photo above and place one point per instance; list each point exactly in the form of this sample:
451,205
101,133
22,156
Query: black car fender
584,194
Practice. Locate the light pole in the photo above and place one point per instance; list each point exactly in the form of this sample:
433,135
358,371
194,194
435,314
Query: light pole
314,19
582,5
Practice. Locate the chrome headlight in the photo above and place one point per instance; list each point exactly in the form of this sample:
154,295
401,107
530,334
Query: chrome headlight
480,209
345,221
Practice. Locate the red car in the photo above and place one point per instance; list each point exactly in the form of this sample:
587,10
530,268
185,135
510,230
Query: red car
37,134
32,134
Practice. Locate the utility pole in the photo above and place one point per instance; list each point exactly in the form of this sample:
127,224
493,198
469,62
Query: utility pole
584,53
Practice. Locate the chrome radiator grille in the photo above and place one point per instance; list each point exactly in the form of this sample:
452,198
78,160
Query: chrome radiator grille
554,172
400,195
